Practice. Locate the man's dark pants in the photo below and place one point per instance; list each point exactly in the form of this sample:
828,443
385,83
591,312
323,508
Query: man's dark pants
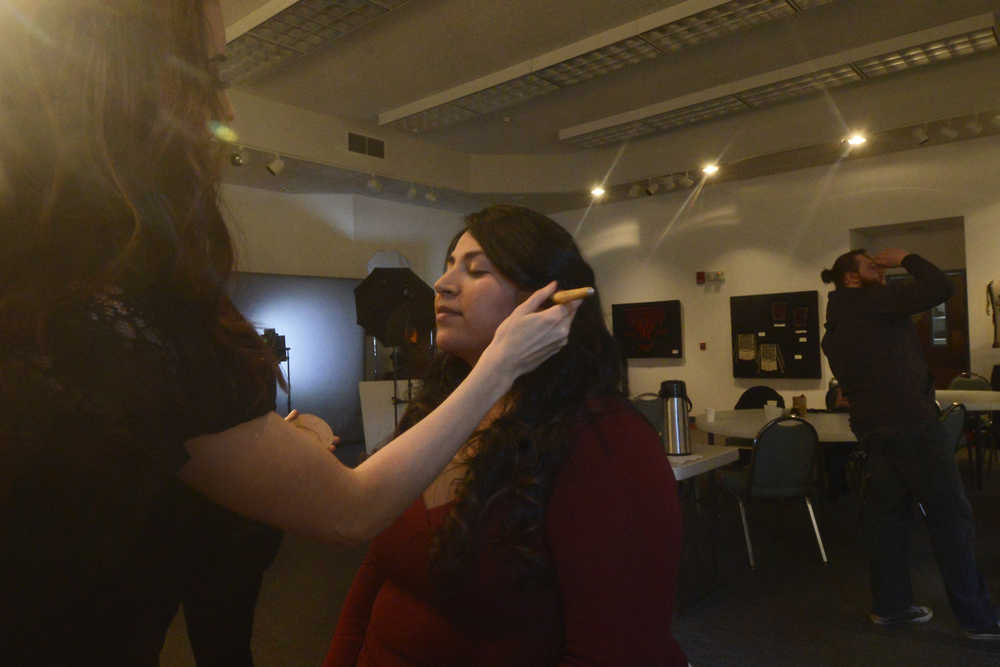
919,465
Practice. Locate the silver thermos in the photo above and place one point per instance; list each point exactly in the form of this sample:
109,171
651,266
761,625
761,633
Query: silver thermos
676,406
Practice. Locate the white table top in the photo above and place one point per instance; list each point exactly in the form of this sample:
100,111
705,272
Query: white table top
830,426
704,459
977,401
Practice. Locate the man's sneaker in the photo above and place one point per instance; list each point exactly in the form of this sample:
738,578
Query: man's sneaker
989,634
914,614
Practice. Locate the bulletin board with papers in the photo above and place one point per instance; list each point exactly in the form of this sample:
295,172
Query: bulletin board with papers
776,335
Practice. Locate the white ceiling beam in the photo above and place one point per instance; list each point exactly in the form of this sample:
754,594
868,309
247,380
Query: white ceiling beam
631,29
872,50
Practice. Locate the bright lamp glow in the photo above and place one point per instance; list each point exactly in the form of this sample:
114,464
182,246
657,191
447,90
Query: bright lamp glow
597,192
710,169
856,139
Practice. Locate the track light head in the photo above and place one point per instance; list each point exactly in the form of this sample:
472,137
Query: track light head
276,166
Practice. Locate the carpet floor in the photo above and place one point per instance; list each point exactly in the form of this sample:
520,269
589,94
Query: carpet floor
792,610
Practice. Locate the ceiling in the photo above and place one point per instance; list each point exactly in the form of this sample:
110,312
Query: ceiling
570,77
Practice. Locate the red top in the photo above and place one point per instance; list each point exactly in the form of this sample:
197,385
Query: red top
613,529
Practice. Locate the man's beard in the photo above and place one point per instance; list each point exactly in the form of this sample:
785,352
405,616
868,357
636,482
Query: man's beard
867,282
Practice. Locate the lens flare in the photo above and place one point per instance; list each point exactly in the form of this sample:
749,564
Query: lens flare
222,132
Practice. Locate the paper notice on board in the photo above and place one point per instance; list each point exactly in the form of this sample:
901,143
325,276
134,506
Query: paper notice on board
746,347
769,357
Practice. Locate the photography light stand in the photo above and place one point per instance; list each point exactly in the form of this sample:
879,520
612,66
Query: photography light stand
280,352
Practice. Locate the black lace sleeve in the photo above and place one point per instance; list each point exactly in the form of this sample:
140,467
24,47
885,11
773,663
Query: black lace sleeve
90,437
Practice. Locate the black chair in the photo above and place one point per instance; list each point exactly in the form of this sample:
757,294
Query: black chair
954,419
757,397
980,427
970,382
754,398
784,465
650,406
833,394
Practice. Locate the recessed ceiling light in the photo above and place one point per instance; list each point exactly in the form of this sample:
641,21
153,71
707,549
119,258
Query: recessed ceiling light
652,187
710,169
856,139
597,192
685,180
920,135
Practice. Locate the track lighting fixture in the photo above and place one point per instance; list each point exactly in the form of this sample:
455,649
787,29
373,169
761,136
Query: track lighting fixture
238,158
276,166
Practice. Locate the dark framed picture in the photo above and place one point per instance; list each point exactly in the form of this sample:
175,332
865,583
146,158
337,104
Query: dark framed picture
651,329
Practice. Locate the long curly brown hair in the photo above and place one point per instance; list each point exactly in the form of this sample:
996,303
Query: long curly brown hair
508,480
108,176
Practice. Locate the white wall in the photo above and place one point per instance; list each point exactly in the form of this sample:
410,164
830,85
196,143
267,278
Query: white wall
771,234
775,234
943,246
332,235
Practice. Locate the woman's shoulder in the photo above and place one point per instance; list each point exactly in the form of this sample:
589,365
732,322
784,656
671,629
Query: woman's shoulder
610,411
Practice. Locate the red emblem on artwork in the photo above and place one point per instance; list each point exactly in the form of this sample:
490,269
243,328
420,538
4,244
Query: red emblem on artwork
645,323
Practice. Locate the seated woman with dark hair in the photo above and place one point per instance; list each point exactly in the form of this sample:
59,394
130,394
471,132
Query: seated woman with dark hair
554,535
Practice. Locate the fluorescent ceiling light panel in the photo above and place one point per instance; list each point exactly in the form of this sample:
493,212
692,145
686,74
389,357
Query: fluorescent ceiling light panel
944,42
505,95
718,22
442,116
932,52
285,29
800,86
597,42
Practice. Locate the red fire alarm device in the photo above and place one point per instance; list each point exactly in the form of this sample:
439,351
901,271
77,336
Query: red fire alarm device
700,277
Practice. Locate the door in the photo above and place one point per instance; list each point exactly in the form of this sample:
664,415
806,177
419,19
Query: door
944,332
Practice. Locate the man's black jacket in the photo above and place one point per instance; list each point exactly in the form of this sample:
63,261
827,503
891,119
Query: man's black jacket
875,353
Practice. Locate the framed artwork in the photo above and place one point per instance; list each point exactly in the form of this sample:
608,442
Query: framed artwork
651,329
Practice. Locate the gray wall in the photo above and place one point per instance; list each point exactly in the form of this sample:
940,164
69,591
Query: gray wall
317,318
